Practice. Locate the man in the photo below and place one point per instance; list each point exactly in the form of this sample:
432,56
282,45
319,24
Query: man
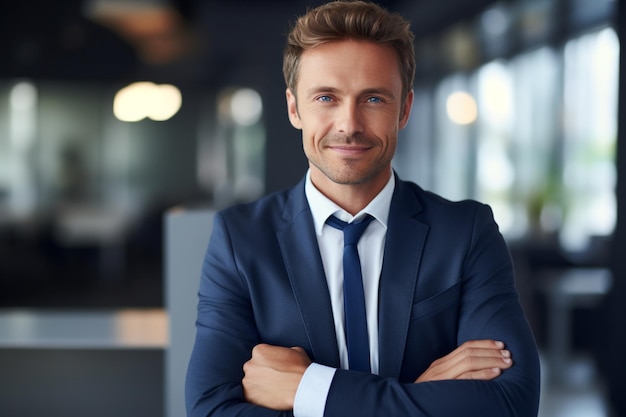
444,332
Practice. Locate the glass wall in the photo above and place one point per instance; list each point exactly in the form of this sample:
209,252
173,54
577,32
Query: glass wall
589,137
83,193
531,129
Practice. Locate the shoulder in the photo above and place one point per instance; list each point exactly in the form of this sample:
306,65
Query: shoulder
268,212
434,203
442,213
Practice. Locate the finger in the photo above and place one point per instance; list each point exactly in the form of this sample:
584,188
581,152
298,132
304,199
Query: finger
486,343
479,344
268,353
482,353
462,354
480,348
260,350
473,359
476,363
476,359
482,375
469,360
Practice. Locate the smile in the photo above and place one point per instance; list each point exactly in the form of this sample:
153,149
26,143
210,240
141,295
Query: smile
350,150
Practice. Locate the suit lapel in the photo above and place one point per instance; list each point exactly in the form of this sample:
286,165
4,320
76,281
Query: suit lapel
403,253
302,259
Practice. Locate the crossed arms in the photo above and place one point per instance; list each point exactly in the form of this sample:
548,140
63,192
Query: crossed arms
243,363
273,373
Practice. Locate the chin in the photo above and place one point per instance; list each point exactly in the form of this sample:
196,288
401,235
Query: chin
351,178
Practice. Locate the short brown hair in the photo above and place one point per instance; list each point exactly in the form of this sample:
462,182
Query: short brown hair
359,20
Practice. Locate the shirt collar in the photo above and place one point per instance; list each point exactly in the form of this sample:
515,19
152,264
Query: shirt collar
322,207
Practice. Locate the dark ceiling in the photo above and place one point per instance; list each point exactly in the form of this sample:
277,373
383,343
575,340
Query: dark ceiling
213,40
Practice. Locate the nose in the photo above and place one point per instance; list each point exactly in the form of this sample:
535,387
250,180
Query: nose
349,119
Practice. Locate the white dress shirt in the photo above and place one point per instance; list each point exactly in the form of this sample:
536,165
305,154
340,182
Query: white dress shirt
313,389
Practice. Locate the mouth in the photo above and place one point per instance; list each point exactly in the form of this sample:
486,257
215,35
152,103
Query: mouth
350,150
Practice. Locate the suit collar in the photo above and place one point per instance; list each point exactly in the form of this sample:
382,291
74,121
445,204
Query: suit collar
322,207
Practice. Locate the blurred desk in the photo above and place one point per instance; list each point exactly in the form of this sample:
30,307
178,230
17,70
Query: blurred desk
82,363
566,289
115,329
102,228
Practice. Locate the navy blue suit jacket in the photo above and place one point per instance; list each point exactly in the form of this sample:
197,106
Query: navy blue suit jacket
447,277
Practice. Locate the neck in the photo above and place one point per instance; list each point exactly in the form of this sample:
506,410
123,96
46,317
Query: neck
351,197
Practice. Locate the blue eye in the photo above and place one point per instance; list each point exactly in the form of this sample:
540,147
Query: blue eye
374,100
324,98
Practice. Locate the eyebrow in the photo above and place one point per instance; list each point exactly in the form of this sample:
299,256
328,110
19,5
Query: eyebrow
379,91
320,89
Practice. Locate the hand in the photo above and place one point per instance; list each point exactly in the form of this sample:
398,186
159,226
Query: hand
272,375
475,359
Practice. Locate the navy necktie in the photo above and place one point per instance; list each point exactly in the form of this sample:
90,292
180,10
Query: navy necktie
353,295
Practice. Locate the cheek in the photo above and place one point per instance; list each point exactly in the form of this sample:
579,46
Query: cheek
387,132
313,132
309,142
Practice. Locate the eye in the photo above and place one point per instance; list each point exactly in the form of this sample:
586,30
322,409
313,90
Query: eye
324,99
374,100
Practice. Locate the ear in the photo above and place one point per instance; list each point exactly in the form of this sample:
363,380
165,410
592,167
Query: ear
292,110
406,110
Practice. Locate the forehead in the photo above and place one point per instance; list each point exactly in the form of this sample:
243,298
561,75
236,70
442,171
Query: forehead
350,63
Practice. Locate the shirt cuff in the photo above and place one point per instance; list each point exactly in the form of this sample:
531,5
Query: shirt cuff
310,400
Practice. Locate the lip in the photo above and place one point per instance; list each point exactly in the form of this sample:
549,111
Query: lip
350,150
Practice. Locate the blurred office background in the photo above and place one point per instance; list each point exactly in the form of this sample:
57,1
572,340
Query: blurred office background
115,114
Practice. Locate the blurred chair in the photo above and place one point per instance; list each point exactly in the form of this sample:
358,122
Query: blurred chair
186,238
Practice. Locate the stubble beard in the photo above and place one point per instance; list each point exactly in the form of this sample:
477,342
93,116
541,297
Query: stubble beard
348,172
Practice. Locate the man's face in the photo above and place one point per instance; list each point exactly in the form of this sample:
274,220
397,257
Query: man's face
348,106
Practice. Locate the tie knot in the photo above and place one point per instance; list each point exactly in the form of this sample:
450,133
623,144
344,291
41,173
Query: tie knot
351,231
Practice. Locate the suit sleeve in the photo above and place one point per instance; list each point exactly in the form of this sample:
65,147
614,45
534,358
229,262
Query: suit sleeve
489,310
225,335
